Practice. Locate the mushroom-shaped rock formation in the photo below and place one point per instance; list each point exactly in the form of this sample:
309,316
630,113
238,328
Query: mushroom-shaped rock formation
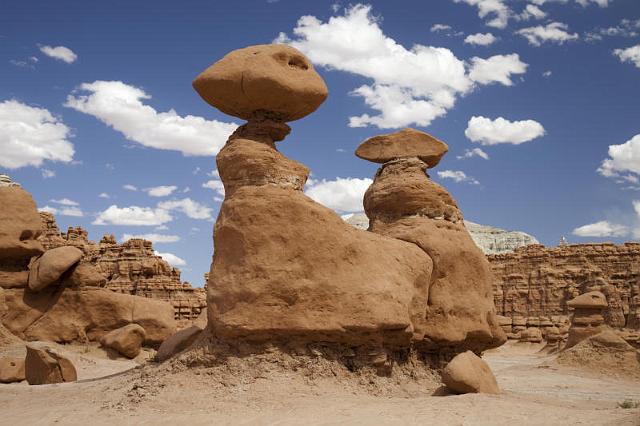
404,203
402,144
272,78
588,318
285,269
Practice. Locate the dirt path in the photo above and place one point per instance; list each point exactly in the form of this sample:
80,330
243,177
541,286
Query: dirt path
535,393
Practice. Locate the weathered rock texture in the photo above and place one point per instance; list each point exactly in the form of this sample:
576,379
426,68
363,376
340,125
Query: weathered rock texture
489,239
58,305
45,366
534,284
11,369
405,204
125,340
468,373
129,268
587,319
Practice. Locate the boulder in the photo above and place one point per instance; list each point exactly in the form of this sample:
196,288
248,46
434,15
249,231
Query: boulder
68,314
11,370
277,79
401,144
44,366
48,268
178,342
125,340
85,274
468,373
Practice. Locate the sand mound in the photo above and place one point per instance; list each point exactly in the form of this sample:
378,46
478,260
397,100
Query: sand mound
605,353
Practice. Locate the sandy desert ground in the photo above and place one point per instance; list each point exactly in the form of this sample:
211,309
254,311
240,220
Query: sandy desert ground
536,391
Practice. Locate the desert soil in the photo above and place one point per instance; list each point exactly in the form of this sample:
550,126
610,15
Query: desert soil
536,391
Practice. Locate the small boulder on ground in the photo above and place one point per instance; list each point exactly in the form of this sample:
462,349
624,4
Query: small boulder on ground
178,342
48,268
468,373
531,335
11,370
85,274
44,366
125,340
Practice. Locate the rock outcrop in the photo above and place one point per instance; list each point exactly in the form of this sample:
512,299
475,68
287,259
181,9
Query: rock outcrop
468,373
403,203
53,302
587,319
489,239
534,284
129,268
11,370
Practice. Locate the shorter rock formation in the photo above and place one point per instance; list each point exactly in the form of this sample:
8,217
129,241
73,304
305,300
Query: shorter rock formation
178,342
44,366
531,335
468,373
588,319
11,369
125,340
403,203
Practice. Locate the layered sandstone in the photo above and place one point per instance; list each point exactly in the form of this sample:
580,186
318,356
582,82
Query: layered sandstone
129,268
534,284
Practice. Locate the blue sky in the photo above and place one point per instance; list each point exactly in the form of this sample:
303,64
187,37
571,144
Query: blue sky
542,96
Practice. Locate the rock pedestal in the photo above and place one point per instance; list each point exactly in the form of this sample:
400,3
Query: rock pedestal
403,203
588,319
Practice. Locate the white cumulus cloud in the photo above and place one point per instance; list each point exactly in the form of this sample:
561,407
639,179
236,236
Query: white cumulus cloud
457,176
493,132
496,69
30,135
215,185
409,86
133,216
497,10
342,194
161,191
172,259
121,106
601,229
475,152
63,211
554,32
60,53
630,54
480,39
154,238
623,161
189,207
65,202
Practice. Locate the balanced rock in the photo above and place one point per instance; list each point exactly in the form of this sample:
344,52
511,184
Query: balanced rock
45,366
285,268
468,373
125,340
11,370
403,144
588,318
277,79
85,274
403,203
48,268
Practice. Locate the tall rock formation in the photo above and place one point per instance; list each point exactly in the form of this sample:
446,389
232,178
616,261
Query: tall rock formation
404,203
130,268
286,269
